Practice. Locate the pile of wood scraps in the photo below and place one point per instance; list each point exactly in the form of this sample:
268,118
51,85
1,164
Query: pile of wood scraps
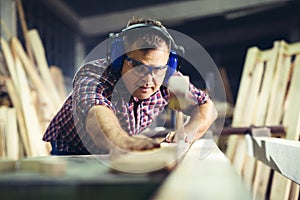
33,95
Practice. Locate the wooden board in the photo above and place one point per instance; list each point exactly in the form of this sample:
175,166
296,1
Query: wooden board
239,157
241,99
14,96
9,61
228,91
24,28
267,58
245,84
281,186
259,79
47,106
13,87
80,176
58,77
43,68
282,107
12,135
145,161
33,124
211,177
262,100
3,122
279,87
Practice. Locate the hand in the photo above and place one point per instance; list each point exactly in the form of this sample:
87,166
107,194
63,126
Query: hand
170,138
137,143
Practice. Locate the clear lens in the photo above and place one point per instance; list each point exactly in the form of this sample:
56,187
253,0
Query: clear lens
143,70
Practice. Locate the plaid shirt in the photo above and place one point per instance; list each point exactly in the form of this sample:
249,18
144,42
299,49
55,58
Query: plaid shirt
97,84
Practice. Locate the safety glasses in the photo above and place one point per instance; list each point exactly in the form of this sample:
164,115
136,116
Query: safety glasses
142,70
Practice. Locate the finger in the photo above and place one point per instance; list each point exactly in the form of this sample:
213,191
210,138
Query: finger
156,144
170,137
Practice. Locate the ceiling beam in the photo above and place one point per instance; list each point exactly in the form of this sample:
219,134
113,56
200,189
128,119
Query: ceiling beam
169,13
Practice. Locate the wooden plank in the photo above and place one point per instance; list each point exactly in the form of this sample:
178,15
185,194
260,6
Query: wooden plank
239,157
40,57
2,151
274,114
3,122
33,125
211,177
231,146
248,92
279,87
293,48
8,19
293,134
252,94
15,98
228,91
248,171
12,135
270,59
249,65
292,106
24,28
257,81
162,158
9,61
7,165
13,87
58,78
281,186
244,86
47,105
295,192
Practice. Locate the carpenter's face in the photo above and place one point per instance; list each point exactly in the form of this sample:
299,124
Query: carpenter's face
143,72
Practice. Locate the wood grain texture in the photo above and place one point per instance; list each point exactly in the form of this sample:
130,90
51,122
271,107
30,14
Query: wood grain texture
210,177
42,65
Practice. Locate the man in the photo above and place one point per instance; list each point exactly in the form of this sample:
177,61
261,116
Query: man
116,98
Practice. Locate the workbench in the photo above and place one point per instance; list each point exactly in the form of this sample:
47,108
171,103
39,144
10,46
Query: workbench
204,173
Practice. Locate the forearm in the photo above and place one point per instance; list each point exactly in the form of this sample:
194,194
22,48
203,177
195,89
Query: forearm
201,119
103,126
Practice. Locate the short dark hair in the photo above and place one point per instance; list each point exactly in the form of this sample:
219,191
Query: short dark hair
149,39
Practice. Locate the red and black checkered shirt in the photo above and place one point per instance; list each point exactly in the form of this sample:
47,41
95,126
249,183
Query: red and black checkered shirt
97,84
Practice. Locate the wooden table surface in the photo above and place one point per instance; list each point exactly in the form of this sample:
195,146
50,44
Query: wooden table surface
85,178
204,173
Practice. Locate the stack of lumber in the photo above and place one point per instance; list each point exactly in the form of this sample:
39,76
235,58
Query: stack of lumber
35,97
267,96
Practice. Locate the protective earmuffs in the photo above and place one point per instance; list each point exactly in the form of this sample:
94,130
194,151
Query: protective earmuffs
116,51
